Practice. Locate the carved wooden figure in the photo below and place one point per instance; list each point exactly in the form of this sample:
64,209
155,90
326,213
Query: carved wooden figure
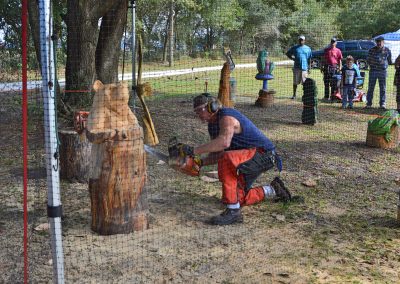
118,167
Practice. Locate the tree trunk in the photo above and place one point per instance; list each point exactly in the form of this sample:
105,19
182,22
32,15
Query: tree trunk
171,34
118,175
33,11
165,46
82,34
109,42
75,152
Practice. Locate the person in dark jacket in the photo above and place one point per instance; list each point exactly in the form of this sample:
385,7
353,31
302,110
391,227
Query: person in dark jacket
379,58
242,152
397,81
310,102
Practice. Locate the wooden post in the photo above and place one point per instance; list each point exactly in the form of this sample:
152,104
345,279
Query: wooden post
75,152
380,142
265,98
118,166
224,87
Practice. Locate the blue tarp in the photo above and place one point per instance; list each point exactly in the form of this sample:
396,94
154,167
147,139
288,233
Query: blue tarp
392,41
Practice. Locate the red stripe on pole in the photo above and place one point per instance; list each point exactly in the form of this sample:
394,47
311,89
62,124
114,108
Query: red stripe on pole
24,35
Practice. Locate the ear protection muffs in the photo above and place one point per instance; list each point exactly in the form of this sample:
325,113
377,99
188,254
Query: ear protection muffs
212,104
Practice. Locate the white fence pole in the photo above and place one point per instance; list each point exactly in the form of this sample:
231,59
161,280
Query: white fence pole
54,211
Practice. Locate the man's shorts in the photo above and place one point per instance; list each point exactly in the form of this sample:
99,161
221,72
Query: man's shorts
299,76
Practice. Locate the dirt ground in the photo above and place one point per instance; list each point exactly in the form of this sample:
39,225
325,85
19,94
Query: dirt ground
345,231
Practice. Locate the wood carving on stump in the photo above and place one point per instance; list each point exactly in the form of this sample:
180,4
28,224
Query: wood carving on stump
379,141
224,86
118,167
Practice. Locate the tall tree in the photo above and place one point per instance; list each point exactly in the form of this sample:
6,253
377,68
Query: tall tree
365,19
84,43
171,33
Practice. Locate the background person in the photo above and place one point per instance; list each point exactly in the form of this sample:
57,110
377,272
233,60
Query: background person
397,81
301,54
379,57
332,63
242,152
349,82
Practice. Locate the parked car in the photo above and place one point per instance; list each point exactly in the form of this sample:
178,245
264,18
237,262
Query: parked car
356,48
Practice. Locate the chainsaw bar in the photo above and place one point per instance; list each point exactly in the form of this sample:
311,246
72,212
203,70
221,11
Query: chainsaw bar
163,157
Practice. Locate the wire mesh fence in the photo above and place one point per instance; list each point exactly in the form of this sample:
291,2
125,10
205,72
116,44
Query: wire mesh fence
267,177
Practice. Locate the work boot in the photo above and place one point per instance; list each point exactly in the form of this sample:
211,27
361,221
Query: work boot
229,216
282,193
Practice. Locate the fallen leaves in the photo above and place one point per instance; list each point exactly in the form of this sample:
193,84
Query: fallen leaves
309,183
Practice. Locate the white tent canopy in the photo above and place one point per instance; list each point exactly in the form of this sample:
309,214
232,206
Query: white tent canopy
392,41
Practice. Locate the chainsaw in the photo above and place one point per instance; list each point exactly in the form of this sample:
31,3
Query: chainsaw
176,159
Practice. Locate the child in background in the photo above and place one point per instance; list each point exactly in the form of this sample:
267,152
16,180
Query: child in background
397,81
349,82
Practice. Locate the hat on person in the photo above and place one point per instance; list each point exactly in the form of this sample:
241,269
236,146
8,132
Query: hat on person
201,100
302,37
379,38
333,39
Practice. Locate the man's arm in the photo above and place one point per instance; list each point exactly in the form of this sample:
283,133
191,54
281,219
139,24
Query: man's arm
289,53
223,140
369,56
390,57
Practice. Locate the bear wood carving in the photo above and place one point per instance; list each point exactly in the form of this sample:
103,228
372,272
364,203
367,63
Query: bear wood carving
110,108
118,167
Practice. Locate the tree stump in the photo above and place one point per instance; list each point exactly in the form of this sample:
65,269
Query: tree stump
379,141
265,98
118,176
75,151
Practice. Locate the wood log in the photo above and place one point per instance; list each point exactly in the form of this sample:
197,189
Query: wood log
265,99
116,185
75,152
379,141
224,86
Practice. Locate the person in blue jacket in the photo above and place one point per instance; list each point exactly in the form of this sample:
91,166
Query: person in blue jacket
301,55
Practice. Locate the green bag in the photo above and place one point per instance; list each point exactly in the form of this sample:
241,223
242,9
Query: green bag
382,125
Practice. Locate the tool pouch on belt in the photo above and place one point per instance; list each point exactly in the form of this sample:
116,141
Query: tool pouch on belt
260,163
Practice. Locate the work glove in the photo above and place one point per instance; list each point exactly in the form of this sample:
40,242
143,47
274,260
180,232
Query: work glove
185,150
190,166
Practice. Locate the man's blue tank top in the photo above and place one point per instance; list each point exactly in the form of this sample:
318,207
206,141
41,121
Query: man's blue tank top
250,137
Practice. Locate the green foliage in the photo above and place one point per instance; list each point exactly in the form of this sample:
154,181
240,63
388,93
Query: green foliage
365,19
313,20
